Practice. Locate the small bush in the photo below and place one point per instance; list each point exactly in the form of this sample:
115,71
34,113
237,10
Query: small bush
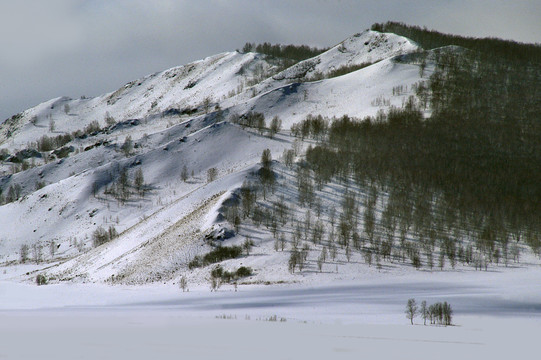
212,174
41,280
195,262
244,271
225,276
45,143
183,283
92,128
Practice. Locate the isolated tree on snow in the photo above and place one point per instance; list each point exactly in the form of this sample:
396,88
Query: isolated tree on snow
260,124
183,283
282,241
100,236
275,126
37,253
424,311
24,253
266,158
266,175
212,174
411,310
52,248
288,156
109,120
247,245
139,182
320,263
123,185
127,146
184,173
206,104
295,259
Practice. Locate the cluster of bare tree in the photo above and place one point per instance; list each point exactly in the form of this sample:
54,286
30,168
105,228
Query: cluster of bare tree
122,188
439,313
257,121
101,236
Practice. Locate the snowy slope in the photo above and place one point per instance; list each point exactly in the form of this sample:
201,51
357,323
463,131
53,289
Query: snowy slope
360,93
67,209
178,119
180,88
367,47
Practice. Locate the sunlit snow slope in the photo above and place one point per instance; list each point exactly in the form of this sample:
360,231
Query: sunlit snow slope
178,121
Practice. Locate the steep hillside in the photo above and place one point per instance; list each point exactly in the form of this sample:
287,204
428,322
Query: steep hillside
181,90
164,179
360,93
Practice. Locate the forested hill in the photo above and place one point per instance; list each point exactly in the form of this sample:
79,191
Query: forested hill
431,39
477,155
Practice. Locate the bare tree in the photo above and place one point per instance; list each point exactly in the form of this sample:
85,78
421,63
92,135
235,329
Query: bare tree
127,146
266,158
184,173
123,185
206,104
282,241
275,126
287,157
52,248
183,283
260,124
214,283
294,259
139,182
109,120
247,245
212,174
24,253
52,125
411,310
266,175
37,253
424,311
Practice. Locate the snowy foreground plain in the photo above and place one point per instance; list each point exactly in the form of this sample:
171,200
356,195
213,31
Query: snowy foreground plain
497,316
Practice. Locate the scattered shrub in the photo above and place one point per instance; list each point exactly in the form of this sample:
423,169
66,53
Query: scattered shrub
225,276
217,255
244,271
101,236
41,280
92,128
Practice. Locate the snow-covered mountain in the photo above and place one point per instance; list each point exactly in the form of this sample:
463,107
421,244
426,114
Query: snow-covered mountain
368,47
179,124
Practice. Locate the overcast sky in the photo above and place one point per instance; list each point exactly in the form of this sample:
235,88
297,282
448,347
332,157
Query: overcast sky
51,48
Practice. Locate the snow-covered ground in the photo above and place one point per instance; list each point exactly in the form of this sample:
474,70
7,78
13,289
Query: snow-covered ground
497,315
158,335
